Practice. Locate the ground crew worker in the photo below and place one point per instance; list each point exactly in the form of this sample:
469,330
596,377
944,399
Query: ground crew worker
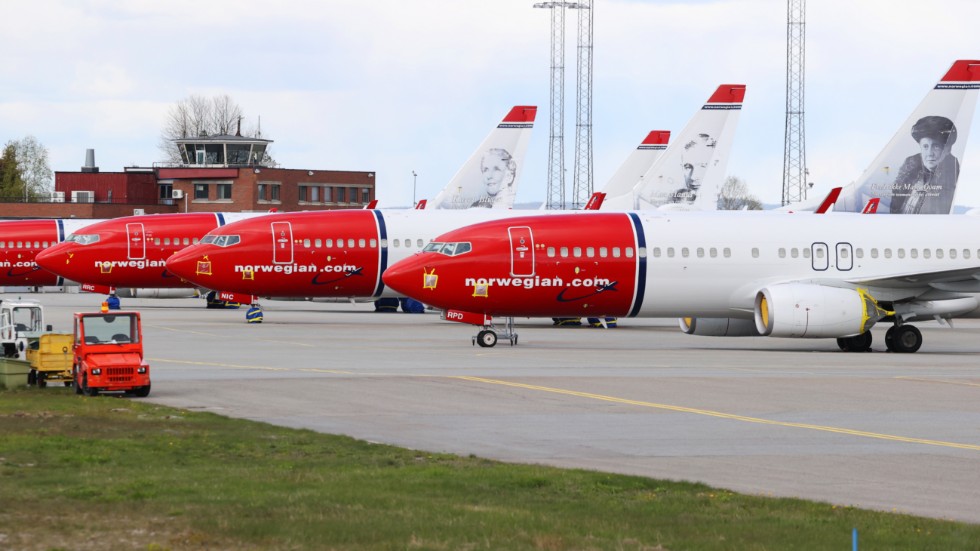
112,302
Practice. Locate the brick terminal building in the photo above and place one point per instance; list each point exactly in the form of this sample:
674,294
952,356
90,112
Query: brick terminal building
215,174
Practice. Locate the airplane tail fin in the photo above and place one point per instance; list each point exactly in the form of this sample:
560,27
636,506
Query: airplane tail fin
918,171
421,204
595,201
690,173
872,206
489,178
637,164
829,201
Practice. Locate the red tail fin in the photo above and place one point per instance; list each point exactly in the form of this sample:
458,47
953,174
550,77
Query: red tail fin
829,201
420,205
595,201
872,206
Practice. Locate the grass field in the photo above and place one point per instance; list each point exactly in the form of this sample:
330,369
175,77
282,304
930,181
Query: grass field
105,473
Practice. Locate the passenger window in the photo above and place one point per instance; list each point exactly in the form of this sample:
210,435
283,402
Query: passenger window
603,252
713,252
564,252
166,240
874,252
901,253
755,252
374,243
156,240
656,252
670,252
363,243
700,252
317,243
629,252
926,253
577,252
859,253
187,241
641,252
328,243
726,252
384,243
952,253
966,253
806,253
419,243
794,252
551,252
195,241
782,252
845,254
939,253
914,253
685,252
615,251
350,242
590,252
819,253
37,244
306,243
888,253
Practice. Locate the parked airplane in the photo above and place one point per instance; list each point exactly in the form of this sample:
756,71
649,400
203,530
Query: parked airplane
22,240
132,251
793,276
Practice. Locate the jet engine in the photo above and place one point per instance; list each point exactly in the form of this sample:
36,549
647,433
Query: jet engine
719,327
815,311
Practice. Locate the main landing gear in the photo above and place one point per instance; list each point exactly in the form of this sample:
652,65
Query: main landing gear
904,339
487,338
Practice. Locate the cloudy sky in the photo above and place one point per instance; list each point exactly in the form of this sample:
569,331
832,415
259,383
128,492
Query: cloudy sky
392,86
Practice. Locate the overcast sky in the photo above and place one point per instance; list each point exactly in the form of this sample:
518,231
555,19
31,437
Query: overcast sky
392,86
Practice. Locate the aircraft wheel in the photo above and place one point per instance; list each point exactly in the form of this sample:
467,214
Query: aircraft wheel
486,338
890,338
907,339
857,343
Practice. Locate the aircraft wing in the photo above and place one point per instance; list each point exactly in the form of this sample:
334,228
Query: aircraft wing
964,280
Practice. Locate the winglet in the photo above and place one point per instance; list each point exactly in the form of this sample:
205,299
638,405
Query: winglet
420,205
829,200
872,206
595,201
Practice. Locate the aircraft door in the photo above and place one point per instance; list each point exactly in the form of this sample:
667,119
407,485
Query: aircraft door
521,251
845,257
135,242
282,243
819,256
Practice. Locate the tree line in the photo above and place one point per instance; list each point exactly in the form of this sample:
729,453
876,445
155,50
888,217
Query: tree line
25,174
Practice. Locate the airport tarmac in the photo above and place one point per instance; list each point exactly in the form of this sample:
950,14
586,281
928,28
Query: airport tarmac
773,417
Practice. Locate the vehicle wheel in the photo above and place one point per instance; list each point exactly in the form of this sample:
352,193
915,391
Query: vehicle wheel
486,338
142,391
907,339
74,381
31,378
41,382
890,338
86,390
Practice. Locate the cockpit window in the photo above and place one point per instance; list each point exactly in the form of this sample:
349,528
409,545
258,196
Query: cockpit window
448,249
208,239
83,239
226,240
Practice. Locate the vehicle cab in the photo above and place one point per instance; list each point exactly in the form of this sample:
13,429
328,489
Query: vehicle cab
108,354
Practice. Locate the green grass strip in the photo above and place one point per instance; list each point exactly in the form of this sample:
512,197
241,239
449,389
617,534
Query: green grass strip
106,473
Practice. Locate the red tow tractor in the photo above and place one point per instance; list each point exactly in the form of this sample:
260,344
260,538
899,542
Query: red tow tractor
108,354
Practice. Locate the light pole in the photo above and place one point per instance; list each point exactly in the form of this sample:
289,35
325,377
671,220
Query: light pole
415,178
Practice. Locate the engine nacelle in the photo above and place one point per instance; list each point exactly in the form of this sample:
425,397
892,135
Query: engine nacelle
719,327
815,311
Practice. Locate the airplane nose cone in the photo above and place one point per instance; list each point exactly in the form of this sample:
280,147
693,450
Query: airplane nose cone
52,259
405,276
183,264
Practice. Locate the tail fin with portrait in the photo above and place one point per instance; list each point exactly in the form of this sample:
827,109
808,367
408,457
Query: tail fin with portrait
690,173
489,177
918,171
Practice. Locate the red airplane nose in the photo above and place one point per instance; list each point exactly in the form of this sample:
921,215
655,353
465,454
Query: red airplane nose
183,264
53,259
405,276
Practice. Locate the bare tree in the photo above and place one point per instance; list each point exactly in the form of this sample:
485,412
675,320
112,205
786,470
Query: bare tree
735,196
196,116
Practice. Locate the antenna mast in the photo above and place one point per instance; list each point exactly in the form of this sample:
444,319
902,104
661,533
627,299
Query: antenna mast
794,151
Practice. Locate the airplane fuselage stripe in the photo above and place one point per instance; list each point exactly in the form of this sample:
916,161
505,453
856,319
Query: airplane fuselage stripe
382,252
641,261
61,230
221,219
